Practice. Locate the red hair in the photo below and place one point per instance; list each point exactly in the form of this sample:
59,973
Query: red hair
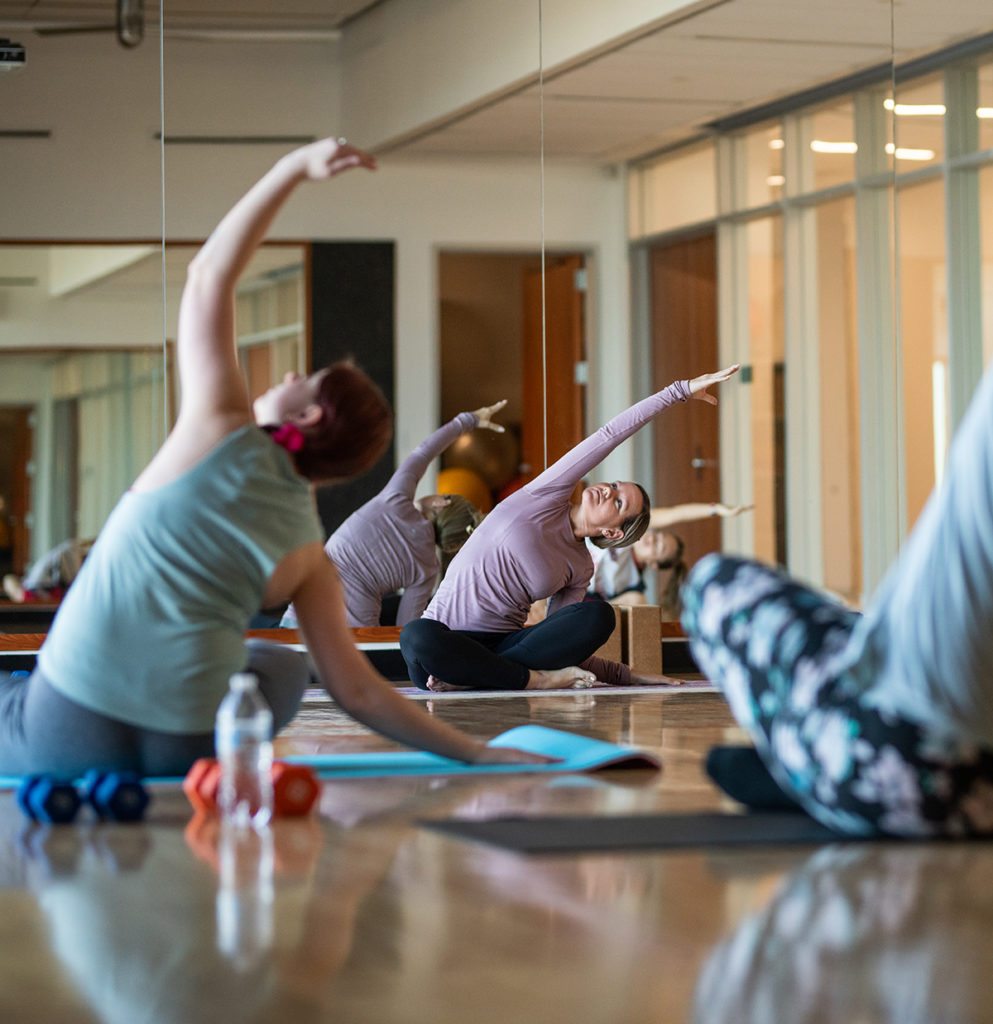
354,431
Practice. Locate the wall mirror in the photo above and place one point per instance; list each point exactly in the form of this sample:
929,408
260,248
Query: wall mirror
562,116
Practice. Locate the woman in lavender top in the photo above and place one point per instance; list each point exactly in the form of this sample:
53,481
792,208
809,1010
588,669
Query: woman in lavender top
532,546
392,542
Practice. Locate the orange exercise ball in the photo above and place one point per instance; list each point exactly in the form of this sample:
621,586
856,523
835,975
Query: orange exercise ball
467,483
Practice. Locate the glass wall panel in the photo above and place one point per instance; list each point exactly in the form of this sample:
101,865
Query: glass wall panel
832,143
986,244
763,149
919,120
890,306
984,110
839,398
923,339
766,358
673,192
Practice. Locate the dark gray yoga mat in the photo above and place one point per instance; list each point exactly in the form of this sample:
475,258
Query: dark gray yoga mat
614,834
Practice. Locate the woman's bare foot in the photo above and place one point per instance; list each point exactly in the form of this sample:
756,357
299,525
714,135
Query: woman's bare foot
571,678
440,686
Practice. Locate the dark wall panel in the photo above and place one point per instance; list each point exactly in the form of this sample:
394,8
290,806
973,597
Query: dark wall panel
351,307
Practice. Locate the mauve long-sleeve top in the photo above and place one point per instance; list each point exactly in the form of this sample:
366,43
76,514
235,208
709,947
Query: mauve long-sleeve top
525,550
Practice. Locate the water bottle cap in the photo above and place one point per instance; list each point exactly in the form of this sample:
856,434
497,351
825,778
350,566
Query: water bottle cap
242,681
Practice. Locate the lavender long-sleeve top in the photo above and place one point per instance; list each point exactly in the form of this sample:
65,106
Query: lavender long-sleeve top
387,544
525,549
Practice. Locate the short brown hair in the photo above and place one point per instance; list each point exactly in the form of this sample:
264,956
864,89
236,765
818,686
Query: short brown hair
355,430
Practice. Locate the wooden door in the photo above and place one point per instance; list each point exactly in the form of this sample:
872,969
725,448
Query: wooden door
553,401
17,444
684,345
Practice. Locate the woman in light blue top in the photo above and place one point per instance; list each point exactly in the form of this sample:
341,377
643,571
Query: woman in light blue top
220,523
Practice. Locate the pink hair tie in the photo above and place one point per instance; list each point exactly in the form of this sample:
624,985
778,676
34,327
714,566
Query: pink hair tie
289,437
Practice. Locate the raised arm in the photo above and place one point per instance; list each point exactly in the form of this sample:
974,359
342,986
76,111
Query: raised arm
410,471
663,518
585,456
208,368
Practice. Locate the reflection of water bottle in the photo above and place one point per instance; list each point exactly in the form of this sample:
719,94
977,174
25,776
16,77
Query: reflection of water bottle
244,909
243,741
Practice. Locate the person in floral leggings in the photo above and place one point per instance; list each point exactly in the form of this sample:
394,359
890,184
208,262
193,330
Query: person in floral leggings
882,722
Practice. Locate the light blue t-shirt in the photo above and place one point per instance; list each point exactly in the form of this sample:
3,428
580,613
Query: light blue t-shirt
154,624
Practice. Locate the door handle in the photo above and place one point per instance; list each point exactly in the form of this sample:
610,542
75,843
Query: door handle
699,463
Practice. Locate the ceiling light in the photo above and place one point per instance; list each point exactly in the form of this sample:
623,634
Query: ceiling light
819,146
986,112
776,143
775,181
915,109
909,154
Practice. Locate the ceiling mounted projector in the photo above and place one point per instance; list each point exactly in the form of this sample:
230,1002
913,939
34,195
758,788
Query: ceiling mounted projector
12,55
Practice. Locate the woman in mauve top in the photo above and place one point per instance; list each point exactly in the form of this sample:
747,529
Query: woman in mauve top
532,546
392,541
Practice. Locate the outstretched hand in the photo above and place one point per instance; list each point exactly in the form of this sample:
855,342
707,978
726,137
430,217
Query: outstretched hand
699,385
726,511
511,755
326,158
487,412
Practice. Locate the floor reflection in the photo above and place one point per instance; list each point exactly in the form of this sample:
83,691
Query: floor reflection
862,932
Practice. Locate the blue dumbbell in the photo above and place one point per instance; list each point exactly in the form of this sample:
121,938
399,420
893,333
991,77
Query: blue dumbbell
48,798
116,795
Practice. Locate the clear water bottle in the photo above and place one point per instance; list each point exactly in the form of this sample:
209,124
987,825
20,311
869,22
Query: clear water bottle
243,742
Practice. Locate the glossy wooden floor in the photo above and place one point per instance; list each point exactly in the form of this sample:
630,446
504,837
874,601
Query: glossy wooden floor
369,918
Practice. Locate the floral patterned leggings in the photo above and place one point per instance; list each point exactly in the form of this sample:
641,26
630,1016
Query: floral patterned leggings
784,656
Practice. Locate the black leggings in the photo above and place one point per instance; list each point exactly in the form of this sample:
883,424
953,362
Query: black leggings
502,661
43,731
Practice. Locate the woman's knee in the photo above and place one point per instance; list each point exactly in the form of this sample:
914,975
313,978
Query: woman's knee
418,638
599,620
283,674
720,587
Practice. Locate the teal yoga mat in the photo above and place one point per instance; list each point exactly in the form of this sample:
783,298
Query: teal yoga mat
575,753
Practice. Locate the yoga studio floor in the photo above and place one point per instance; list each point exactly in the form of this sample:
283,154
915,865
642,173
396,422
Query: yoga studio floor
369,916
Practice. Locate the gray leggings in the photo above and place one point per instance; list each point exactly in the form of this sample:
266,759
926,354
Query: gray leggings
43,731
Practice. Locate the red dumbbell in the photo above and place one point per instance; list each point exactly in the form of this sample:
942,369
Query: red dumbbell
200,784
295,789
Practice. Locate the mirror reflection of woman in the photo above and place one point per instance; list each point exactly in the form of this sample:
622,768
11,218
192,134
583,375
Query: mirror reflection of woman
392,542
220,523
619,573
